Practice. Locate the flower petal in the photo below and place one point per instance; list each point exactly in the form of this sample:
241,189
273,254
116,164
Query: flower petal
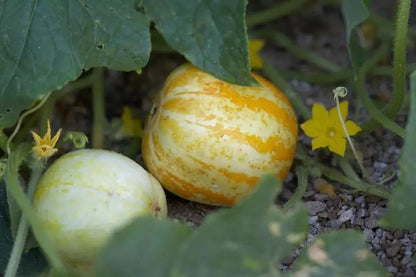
254,46
338,145
319,113
343,106
319,142
312,128
352,128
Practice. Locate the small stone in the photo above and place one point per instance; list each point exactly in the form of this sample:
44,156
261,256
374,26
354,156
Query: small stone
371,222
396,262
369,235
392,269
361,213
357,221
379,232
315,207
380,165
359,199
394,249
388,235
409,272
313,219
321,197
398,234
323,214
346,215
406,260
334,224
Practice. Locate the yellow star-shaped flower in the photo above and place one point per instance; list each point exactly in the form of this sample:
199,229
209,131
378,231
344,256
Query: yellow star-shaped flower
44,147
326,128
254,47
132,127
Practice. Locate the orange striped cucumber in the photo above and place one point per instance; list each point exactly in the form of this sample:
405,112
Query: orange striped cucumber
210,141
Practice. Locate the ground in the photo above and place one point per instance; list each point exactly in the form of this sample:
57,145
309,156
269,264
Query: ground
319,29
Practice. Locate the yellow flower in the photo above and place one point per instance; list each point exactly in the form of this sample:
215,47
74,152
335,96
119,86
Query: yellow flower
326,128
132,127
44,147
254,46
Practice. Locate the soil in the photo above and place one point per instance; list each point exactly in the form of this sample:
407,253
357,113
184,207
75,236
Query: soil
319,29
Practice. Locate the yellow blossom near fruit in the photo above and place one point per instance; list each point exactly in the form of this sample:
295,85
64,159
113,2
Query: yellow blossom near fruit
132,127
44,147
254,47
326,128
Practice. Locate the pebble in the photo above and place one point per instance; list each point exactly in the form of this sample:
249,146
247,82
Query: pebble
359,199
346,215
315,207
368,234
361,213
313,219
394,249
321,197
409,272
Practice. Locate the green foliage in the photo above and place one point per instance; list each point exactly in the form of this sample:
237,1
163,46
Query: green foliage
147,247
355,12
338,253
402,202
46,44
211,34
250,239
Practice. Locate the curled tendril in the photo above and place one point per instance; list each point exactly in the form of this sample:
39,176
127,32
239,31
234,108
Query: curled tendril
79,139
340,92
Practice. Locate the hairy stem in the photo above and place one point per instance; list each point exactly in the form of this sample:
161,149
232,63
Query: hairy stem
275,12
296,101
399,58
284,41
16,191
23,228
302,175
98,103
376,114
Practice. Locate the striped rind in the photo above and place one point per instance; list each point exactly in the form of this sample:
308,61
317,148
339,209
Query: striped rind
210,141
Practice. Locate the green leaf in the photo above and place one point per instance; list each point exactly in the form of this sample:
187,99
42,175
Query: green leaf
338,253
46,43
211,34
147,247
402,204
246,240
355,12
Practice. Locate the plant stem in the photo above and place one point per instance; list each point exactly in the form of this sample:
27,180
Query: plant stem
98,103
302,175
399,58
339,177
15,189
377,115
274,12
284,41
340,76
23,228
297,102
3,141
347,168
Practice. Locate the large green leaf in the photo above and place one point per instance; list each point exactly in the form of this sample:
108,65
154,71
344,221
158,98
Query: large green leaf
355,12
46,43
402,204
338,253
147,247
211,34
247,240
